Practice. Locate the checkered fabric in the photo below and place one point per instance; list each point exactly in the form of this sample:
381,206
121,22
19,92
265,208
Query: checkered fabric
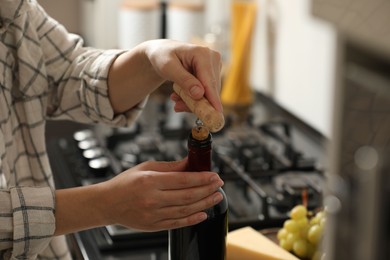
45,73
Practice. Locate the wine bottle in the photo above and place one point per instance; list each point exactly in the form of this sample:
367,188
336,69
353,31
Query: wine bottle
206,240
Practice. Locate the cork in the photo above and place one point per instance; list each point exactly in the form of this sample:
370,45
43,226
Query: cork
200,133
211,118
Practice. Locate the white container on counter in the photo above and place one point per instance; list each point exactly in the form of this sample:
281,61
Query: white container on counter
185,20
138,21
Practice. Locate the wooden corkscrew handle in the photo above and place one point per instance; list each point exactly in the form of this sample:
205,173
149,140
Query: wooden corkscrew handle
210,117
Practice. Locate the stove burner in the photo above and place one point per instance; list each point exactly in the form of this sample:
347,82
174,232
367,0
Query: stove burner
298,188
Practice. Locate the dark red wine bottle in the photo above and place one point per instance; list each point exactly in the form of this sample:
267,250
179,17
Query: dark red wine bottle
206,240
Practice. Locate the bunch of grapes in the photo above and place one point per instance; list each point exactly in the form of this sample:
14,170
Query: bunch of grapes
302,233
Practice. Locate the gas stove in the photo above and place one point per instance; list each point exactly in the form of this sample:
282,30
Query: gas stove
265,170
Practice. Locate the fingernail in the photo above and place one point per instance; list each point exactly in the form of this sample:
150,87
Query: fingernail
195,91
219,183
202,217
214,178
217,198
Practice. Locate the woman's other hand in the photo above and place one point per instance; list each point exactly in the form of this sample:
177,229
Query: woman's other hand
160,195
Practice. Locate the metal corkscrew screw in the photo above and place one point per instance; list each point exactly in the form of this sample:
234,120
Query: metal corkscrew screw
198,122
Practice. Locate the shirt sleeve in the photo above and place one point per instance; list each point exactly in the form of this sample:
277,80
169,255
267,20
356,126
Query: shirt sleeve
77,76
26,222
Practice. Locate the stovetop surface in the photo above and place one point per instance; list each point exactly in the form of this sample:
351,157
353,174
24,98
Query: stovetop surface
266,167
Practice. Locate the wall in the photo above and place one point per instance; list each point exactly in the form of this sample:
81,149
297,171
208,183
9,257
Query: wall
304,58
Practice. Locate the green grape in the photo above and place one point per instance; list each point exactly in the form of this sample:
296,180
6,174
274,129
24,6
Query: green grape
300,248
291,226
314,234
298,212
283,243
320,215
303,231
292,237
314,221
302,222
282,233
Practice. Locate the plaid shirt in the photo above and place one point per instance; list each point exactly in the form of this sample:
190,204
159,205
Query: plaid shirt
45,73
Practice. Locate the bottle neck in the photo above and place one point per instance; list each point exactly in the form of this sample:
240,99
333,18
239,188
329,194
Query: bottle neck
199,153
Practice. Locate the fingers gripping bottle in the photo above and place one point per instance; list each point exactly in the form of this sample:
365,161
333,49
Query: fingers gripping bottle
206,240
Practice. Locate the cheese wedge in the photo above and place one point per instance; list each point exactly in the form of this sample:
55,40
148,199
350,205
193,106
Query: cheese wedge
249,244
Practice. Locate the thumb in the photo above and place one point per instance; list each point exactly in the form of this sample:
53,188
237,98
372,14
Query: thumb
188,82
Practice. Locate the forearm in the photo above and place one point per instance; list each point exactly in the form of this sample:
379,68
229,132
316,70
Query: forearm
79,209
131,78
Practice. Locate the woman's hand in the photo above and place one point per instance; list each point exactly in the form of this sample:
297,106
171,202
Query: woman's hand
159,195
138,72
195,68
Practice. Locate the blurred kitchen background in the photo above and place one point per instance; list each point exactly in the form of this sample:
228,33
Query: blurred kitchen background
308,78
302,46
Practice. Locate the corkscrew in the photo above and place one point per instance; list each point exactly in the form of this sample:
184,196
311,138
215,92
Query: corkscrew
198,122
